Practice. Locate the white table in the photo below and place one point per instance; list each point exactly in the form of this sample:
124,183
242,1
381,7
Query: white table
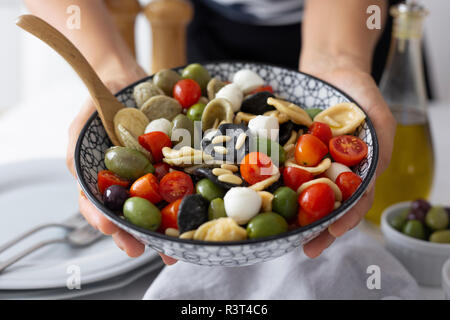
30,135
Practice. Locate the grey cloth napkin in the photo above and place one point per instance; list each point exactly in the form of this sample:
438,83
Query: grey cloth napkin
341,272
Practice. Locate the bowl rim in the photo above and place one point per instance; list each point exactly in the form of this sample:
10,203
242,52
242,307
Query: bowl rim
446,275
342,209
397,235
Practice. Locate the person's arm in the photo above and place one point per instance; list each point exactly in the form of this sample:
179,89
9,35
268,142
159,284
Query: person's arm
337,46
100,42
334,32
98,38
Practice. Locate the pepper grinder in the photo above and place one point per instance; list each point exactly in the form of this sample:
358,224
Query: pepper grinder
168,20
124,13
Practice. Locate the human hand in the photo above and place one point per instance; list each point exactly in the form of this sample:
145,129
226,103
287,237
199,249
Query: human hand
123,240
360,86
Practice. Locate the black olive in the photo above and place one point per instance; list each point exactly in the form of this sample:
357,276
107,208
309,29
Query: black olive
233,131
285,132
193,212
115,196
257,103
207,173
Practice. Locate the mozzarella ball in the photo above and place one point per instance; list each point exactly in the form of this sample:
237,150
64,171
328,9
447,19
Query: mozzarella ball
265,127
162,124
242,204
247,80
233,94
335,170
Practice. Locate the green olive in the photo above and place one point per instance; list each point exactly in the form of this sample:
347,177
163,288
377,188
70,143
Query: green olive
269,147
398,222
195,112
166,79
285,202
441,236
266,224
437,218
197,72
179,124
216,209
209,190
313,112
127,163
414,229
143,213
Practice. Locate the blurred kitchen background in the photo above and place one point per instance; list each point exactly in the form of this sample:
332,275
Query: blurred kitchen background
41,94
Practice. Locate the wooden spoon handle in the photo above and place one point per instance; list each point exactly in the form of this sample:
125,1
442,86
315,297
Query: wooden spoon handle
107,105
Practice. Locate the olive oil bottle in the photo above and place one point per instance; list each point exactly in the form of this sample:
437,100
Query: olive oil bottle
410,172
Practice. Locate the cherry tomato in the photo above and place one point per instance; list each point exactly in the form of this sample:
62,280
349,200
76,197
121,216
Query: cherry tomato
161,169
321,131
154,142
315,202
175,185
106,178
169,215
262,89
187,92
303,218
348,150
348,182
255,167
309,150
295,177
146,187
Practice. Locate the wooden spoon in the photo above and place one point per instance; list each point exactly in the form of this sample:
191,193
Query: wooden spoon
107,105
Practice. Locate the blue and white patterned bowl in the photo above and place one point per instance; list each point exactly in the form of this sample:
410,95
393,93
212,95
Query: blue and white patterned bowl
299,88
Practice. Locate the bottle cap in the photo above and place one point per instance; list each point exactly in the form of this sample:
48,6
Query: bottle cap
408,18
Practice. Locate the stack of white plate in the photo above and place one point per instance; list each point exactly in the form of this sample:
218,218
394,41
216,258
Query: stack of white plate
42,191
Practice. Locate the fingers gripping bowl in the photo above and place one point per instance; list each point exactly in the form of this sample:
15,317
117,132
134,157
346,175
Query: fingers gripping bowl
301,89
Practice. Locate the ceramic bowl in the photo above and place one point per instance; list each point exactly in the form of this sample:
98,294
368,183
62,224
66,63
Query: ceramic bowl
446,279
423,259
302,89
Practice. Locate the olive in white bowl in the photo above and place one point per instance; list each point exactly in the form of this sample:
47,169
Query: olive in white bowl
423,259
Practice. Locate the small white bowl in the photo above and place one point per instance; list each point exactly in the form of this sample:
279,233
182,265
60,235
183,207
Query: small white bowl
446,279
423,259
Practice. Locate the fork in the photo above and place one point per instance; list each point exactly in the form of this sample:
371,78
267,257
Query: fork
70,223
79,237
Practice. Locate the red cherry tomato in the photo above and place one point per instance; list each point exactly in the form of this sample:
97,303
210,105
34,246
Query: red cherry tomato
295,177
315,202
146,187
321,131
187,92
169,216
175,185
255,167
348,150
262,89
161,169
154,142
303,218
106,178
348,182
309,150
